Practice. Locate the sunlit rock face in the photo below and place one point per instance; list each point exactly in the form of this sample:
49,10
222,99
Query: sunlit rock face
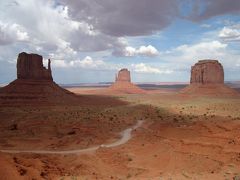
30,66
207,72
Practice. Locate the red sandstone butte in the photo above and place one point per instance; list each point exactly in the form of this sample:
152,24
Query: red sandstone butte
123,76
30,66
207,78
207,72
123,83
34,83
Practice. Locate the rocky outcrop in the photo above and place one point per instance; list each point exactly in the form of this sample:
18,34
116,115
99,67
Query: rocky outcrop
207,78
207,72
34,84
123,84
30,66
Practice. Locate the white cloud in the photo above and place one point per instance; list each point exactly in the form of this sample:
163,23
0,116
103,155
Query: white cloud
141,51
230,34
97,64
10,33
49,29
63,51
202,50
147,51
183,57
125,18
129,51
85,63
60,63
143,68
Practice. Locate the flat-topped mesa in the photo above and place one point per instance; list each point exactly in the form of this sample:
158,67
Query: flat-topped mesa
123,76
207,72
30,66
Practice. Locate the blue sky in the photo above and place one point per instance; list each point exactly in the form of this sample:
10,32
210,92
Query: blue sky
89,41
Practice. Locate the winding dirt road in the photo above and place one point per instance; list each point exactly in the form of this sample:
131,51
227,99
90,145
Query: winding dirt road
125,137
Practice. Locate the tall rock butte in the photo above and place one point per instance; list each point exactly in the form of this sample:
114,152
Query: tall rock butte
123,83
207,72
207,78
30,66
34,84
123,76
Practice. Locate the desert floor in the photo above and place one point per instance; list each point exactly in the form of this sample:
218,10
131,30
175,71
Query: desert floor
182,137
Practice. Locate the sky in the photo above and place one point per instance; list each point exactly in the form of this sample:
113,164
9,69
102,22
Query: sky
88,41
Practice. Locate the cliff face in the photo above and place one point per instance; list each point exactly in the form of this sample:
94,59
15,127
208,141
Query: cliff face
30,66
207,72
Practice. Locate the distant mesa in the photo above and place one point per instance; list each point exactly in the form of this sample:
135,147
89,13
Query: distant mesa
34,83
207,78
123,84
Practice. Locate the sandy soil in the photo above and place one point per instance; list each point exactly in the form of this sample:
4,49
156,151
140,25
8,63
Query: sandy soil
106,91
181,138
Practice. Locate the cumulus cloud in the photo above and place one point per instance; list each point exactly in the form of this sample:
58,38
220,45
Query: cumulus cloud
202,50
85,63
124,18
129,51
144,68
50,28
147,51
97,64
183,57
55,31
10,33
144,17
230,33
67,26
